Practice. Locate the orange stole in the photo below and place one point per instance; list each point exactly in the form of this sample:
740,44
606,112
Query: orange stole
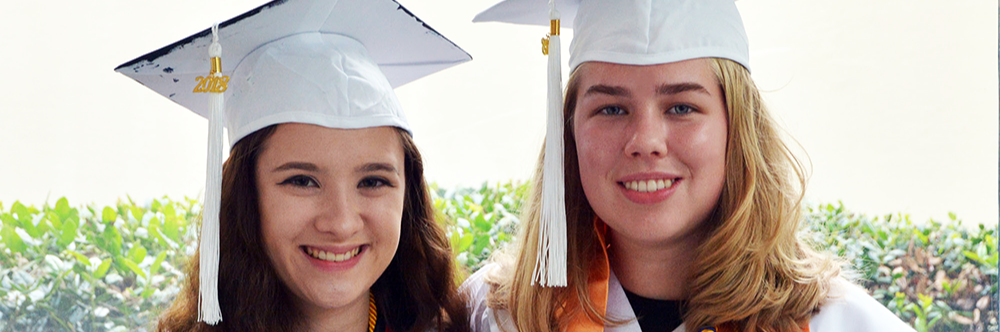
597,286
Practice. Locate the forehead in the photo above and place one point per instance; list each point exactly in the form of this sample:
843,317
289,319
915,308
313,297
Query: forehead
333,147
687,71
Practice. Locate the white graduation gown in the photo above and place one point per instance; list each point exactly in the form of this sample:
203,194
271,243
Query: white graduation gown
848,308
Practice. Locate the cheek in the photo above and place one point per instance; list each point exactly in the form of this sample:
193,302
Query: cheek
280,219
596,151
704,150
386,220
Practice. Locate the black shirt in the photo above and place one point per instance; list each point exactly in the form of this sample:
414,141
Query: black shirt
655,315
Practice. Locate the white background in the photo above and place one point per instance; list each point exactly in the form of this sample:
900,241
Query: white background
895,101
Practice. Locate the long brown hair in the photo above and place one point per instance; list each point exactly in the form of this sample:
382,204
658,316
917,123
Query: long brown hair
416,292
752,271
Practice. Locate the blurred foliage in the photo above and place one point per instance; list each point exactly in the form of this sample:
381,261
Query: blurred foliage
936,276
109,268
115,268
479,221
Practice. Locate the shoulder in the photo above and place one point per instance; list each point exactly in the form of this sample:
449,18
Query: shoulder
849,308
476,289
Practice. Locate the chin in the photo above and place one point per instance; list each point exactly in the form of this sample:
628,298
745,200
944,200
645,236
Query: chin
653,228
333,298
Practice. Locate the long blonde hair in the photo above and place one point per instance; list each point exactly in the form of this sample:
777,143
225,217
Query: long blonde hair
751,271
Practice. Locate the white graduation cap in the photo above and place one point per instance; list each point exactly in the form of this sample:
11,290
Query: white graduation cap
325,62
631,32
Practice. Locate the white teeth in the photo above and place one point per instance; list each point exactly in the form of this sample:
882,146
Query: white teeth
649,185
329,256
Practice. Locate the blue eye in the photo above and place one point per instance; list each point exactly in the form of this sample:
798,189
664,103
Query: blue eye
373,182
681,109
612,110
300,181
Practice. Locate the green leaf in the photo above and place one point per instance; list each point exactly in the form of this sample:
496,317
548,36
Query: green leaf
102,269
12,240
951,215
109,215
137,253
148,292
923,238
159,237
156,264
925,301
168,210
465,242
8,220
135,268
477,249
55,220
481,224
972,256
454,240
112,241
36,232
67,233
154,222
79,257
137,213
62,208
170,228
22,213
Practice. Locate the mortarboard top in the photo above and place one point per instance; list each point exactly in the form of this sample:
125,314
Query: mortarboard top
403,47
637,32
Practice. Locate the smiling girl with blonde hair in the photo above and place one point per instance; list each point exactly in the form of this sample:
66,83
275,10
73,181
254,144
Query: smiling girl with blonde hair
682,204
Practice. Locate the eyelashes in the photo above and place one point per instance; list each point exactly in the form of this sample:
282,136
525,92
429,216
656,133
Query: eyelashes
681,109
300,181
611,110
374,182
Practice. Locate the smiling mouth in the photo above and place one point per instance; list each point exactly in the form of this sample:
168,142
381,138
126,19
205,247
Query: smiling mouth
329,256
649,185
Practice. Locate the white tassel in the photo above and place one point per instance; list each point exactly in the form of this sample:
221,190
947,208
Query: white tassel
550,267
208,296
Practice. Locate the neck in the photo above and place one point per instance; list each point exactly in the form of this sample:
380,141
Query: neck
352,317
658,270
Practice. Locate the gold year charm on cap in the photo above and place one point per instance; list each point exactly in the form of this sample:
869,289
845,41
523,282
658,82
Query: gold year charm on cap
212,83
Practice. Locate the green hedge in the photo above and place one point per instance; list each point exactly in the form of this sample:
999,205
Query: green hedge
115,268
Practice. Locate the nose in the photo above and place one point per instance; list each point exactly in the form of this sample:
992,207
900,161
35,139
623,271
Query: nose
648,133
338,215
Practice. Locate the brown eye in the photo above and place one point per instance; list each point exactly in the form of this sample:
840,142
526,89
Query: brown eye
373,182
300,181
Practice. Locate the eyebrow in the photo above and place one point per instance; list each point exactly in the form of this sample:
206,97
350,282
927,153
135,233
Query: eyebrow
309,167
608,90
672,89
375,167
665,89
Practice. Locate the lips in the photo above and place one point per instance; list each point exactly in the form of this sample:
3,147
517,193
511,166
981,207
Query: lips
648,185
331,256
